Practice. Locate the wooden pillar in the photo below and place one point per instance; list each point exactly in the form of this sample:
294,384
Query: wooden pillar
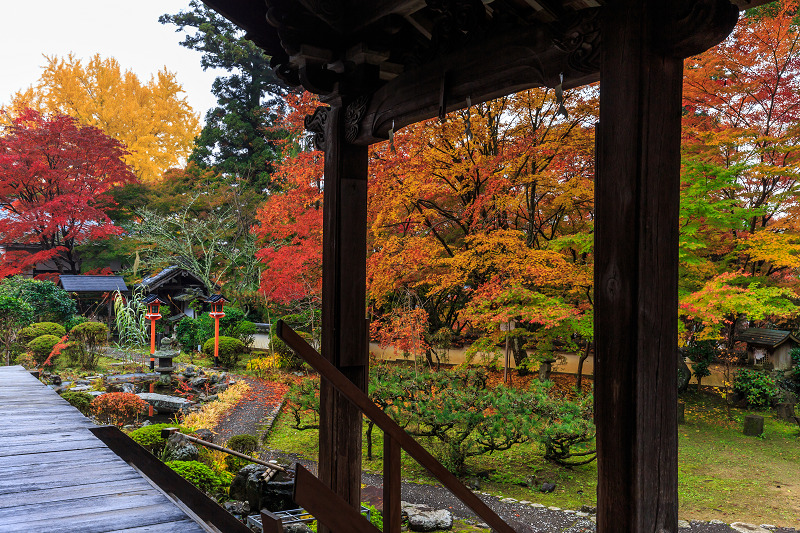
636,271
344,334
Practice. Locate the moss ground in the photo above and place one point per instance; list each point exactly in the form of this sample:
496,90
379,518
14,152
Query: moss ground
722,473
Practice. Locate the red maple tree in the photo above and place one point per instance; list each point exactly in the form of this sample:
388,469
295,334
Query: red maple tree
55,175
290,223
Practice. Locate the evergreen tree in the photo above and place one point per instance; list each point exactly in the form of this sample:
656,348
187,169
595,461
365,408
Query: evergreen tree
238,136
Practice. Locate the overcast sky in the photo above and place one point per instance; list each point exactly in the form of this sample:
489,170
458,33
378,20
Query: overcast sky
127,31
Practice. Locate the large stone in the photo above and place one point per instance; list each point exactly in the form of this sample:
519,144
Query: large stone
165,404
178,449
424,518
785,411
753,425
274,495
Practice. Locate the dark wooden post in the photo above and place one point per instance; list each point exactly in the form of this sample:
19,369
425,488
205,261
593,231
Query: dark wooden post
637,198
344,335
636,273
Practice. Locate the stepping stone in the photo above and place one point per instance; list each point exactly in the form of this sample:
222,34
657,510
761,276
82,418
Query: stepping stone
744,527
164,403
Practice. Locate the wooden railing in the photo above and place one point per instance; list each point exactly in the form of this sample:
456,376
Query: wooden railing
312,492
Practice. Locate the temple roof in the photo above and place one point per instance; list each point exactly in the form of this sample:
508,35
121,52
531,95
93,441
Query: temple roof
771,338
72,283
420,58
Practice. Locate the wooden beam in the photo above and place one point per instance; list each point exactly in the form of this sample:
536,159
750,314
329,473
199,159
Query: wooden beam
344,332
327,507
636,272
508,63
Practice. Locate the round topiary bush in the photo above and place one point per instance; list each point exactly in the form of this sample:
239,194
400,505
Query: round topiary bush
80,400
42,328
246,444
149,437
41,346
230,350
198,474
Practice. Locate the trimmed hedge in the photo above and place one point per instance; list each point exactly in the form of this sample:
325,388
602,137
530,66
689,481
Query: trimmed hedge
230,350
246,444
41,346
199,475
149,437
42,328
80,400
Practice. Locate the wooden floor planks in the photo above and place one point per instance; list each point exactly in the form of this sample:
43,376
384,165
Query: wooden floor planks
57,476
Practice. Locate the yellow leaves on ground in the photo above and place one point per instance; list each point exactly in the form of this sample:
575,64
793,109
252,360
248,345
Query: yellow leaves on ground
152,119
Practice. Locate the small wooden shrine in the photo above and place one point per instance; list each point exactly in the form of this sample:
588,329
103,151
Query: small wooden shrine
382,64
769,346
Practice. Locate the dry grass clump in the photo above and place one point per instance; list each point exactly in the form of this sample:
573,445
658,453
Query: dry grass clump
208,416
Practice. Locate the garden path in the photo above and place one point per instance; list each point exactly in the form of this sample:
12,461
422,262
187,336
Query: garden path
254,413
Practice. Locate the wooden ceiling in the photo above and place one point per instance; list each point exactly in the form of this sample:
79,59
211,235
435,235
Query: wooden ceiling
413,59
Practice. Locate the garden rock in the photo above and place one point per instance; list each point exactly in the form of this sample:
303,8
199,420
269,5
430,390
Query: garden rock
237,507
547,487
785,411
588,509
204,434
275,495
164,403
424,518
177,449
743,527
753,425
128,387
198,382
473,483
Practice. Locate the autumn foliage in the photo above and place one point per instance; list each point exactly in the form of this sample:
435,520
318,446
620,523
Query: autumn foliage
55,175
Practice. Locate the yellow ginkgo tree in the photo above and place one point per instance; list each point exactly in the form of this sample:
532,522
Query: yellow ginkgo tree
152,119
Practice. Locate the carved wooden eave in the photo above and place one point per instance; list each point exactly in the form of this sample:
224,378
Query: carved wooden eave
420,58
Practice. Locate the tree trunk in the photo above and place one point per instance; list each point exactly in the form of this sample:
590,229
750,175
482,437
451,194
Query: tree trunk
520,354
584,356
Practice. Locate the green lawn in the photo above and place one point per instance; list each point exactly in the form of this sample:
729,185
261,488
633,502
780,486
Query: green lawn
722,473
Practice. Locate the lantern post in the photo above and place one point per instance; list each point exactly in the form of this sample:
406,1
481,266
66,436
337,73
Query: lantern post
217,303
153,304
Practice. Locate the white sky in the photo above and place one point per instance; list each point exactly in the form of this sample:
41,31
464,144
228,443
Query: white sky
127,31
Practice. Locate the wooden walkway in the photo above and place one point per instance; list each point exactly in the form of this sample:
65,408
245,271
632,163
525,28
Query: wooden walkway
56,476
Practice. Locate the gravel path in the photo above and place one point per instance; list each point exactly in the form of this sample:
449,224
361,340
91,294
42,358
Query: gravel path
254,413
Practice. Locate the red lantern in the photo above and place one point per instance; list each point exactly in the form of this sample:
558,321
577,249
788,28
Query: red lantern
217,302
153,304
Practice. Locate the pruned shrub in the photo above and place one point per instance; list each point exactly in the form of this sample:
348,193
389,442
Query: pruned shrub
758,388
199,475
42,346
82,401
118,408
246,444
230,350
42,328
88,337
149,437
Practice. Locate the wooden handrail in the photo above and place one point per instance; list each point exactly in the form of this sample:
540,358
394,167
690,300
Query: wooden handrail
327,507
348,389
